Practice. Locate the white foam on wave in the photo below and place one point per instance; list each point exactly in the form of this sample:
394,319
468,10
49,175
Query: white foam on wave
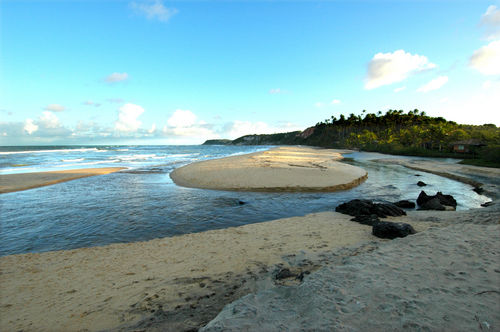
72,160
180,155
16,170
137,157
49,151
91,163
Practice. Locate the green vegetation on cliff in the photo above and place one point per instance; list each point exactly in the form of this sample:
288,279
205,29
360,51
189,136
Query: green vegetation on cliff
289,138
412,133
218,142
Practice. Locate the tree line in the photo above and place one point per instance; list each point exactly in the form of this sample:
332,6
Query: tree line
394,132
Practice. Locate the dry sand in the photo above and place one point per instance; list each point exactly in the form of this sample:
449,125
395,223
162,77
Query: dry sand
24,181
443,279
279,169
163,281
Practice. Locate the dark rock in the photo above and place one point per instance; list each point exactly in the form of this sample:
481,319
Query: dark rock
228,201
487,204
432,204
405,204
284,273
355,207
384,210
447,200
421,184
423,197
364,207
418,175
392,230
366,219
478,190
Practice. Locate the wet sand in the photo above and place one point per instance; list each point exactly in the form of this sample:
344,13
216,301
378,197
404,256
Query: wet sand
279,169
17,182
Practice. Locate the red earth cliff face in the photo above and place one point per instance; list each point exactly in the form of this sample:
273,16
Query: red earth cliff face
306,133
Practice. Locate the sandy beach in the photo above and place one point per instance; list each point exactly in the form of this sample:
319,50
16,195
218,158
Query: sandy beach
182,283
17,182
279,169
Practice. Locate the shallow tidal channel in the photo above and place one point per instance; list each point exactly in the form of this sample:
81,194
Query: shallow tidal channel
143,203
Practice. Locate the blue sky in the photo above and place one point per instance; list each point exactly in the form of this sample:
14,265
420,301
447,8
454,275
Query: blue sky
180,72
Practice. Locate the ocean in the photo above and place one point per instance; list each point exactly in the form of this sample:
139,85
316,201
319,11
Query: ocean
142,203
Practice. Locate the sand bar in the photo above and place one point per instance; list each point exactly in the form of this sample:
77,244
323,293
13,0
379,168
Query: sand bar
24,181
279,169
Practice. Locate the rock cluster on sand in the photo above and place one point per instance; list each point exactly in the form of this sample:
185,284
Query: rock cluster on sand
367,212
392,230
405,204
438,202
359,207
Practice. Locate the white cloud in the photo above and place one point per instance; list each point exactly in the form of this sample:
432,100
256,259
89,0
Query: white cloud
491,21
115,100
116,77
182,118
487,59
275,91
335,102
492,16
237,128
400,89
127,118
153,129
471,108
49,120
388,68
196,131
154,10
184,123
29,126
319,104
492,85
435,84
54,108
91,103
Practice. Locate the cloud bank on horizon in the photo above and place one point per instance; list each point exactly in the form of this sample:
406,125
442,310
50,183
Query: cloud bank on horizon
194,78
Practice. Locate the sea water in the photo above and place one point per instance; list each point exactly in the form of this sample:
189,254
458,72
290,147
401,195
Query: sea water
142,203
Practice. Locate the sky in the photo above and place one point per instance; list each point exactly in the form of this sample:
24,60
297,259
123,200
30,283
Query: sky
181,72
